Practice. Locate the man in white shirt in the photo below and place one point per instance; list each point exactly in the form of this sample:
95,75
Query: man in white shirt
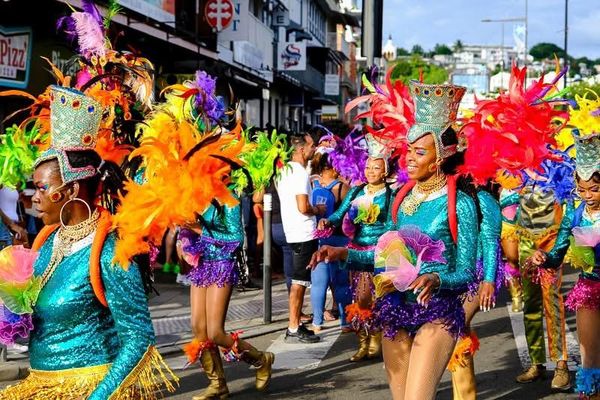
299,223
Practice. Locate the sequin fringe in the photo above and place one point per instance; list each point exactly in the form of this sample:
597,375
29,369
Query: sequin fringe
587,381
467,345
585,294
145,382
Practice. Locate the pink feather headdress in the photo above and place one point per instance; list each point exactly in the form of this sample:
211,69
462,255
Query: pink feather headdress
391,110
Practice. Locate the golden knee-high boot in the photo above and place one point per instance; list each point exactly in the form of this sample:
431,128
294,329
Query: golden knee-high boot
213,367
363,346
464,386
516,293
263,361
374,345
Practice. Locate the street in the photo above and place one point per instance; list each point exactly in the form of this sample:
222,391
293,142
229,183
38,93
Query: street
322,371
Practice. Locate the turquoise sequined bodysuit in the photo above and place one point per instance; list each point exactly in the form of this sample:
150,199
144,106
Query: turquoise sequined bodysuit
488,249
366,235
73,330
432,219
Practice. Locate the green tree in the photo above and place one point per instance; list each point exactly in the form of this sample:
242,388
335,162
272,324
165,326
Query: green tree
458,46
410,69
542,51
417,49
442,49
401,52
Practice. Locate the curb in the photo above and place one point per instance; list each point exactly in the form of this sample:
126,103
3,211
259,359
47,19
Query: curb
13,371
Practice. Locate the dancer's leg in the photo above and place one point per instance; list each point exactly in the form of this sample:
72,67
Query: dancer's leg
430,353
396,356
588,327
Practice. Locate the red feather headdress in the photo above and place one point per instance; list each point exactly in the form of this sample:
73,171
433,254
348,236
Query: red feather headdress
512,132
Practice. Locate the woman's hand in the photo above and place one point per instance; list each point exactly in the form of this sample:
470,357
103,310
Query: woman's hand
20,233
328,254
538,258
323,224
487,300
424,285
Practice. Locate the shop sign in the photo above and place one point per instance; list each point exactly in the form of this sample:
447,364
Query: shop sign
15,56
329,112
332,85
248,55
162,11
291,56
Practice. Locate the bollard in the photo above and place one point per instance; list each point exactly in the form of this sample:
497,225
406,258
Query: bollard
267,299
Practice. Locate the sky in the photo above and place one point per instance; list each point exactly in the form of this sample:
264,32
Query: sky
427,22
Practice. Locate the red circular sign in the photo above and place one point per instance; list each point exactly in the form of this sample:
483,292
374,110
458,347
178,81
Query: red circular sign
219,13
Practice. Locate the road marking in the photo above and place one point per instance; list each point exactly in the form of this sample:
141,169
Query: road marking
518,327
302,355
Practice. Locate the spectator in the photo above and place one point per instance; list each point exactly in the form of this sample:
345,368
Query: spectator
298,219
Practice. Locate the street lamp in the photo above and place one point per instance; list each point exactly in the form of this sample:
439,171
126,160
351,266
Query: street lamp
502,22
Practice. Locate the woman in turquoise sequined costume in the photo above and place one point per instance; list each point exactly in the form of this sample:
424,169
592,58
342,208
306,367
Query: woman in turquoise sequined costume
421,324
93,336
580,234
483,291
363,215
211,248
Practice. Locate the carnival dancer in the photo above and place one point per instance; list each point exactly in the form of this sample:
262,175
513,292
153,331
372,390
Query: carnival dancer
580,230
439,223
523,114
92,336
108,349
363,215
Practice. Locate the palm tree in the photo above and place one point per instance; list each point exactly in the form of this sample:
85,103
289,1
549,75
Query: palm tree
458,46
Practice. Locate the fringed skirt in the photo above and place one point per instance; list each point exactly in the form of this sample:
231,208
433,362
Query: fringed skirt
479,274
393,313
585,294
145,382
214,260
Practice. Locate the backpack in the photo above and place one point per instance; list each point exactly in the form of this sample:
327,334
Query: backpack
324,195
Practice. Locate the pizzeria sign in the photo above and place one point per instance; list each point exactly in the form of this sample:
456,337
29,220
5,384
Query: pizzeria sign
15,56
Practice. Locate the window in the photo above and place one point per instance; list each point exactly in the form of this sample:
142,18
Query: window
316,22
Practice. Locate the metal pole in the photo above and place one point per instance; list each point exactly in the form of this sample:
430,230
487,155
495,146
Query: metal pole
526,33
566,38
502,55
267,298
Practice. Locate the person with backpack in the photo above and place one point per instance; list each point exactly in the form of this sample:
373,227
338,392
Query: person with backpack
329,191
363,217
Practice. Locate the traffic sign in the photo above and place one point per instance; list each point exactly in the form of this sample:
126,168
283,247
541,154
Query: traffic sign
219,14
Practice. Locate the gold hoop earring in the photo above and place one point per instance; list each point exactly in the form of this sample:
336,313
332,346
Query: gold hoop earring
62,224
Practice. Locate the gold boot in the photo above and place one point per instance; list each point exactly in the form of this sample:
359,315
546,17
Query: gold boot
374,345
213,367
464,386
516,293
363,346
263,361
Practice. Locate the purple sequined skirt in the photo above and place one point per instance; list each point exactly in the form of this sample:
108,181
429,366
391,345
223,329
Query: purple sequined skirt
585,294
216,259
393,313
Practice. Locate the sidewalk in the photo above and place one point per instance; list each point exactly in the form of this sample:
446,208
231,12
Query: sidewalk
170,313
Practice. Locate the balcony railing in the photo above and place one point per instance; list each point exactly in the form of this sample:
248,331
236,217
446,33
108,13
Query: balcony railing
311,78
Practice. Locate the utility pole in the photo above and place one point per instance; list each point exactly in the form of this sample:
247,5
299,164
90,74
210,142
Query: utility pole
566,39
